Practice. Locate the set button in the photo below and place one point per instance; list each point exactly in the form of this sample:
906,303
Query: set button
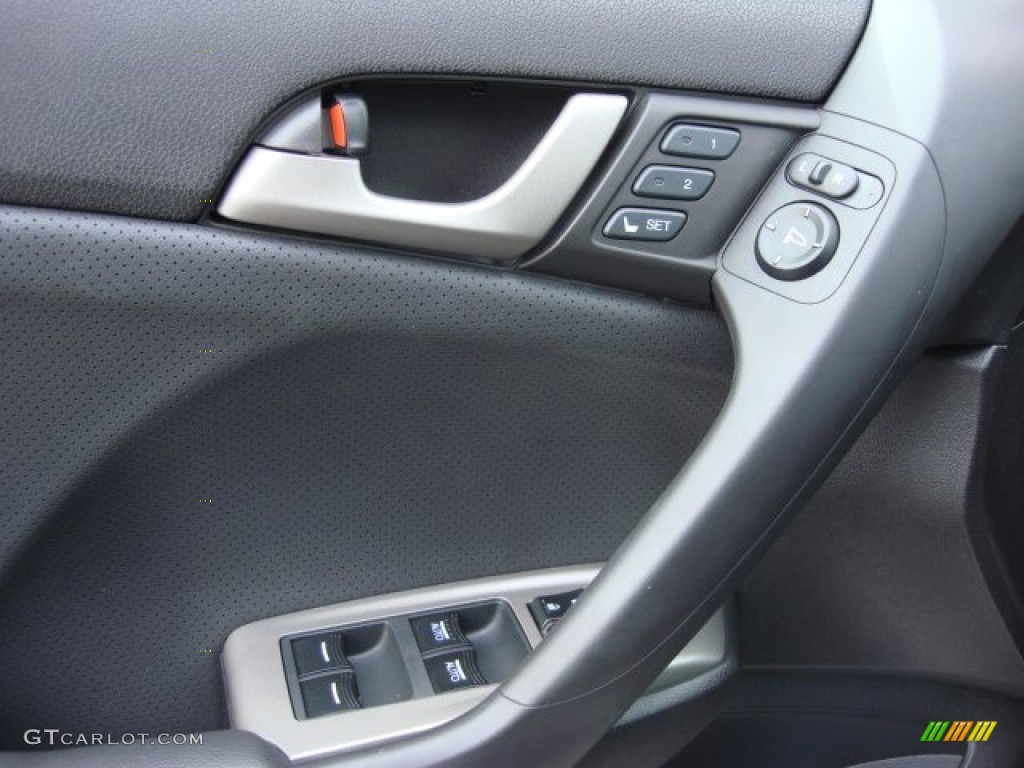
649,224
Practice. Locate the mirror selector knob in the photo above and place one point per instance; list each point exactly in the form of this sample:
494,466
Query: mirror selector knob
797,241
822,175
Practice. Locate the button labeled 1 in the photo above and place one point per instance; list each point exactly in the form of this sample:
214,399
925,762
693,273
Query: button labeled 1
700,141
644,224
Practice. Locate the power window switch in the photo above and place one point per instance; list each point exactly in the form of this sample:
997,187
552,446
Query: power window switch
319,653
327,694
441,630
453,671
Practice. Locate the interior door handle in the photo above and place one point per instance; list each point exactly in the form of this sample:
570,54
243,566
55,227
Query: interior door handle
327,195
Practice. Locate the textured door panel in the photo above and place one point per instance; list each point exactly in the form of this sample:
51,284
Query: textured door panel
142,108
364,423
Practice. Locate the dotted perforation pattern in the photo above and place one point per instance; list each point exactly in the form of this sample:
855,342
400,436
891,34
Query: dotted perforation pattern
201,428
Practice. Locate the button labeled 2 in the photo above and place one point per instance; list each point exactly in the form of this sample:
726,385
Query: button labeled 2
672,182
644,224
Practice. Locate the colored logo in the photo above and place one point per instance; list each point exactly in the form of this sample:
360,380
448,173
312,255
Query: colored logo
958,730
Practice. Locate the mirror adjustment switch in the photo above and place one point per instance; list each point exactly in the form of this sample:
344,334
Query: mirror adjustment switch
319,653
687,140
330,693
439,631
453,671
644,224
796,241
674,183
822,175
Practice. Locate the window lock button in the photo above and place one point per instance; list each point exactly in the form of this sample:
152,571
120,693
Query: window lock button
548,610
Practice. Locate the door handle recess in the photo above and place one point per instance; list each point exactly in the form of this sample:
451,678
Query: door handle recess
327,195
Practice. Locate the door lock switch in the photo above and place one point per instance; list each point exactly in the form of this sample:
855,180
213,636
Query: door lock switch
347,127
439,631
453,671
319,653
335,123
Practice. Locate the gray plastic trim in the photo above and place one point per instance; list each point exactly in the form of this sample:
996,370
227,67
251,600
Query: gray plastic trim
681,268
257,690
297,130
328,196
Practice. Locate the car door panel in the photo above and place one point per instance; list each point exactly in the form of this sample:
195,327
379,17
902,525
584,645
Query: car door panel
207,423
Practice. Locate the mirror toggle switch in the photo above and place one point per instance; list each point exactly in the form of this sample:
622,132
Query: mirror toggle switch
820,174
